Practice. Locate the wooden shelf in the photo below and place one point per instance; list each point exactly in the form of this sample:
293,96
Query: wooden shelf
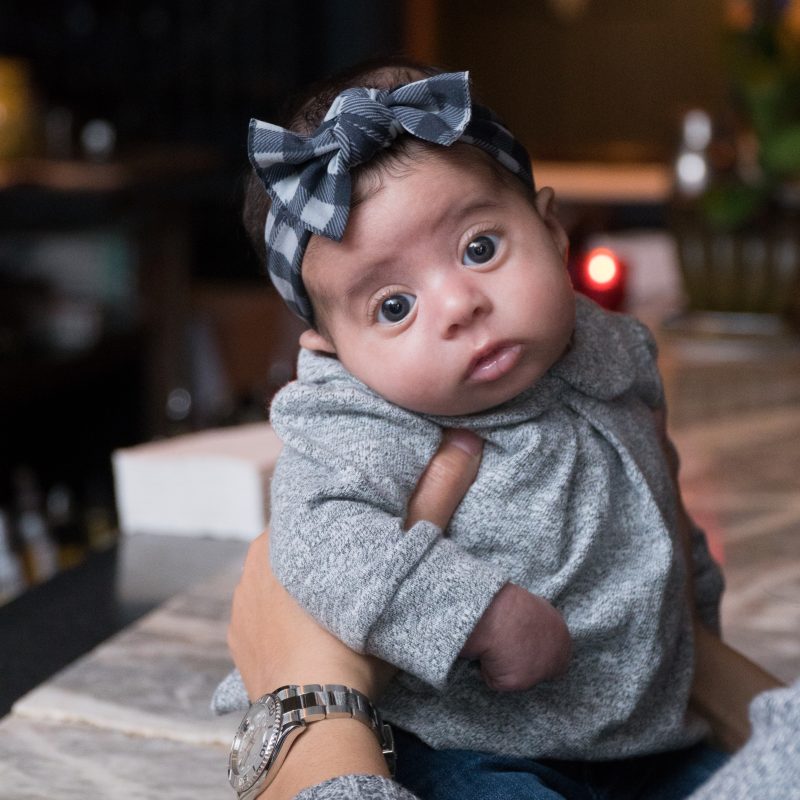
590,182
134,171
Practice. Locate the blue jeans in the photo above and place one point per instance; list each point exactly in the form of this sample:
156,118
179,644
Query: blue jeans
471,775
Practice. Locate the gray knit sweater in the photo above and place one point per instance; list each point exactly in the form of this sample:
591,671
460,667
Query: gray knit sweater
573,501
767,768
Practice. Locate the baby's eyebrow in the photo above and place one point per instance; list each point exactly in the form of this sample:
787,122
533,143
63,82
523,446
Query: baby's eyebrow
371,271
464,209
364,279
473,206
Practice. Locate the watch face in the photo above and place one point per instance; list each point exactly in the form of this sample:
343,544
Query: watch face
254,742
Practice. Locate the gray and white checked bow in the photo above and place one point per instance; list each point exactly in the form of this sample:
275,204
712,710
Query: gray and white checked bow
308,177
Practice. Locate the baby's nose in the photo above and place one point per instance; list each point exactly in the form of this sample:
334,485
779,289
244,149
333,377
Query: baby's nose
462,302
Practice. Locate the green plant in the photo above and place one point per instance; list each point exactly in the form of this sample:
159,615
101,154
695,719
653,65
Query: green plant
763,51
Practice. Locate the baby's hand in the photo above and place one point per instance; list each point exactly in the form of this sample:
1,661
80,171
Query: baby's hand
520,641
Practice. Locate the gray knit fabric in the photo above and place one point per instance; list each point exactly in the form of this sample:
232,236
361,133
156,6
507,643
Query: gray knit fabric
573,501
767,768
356,787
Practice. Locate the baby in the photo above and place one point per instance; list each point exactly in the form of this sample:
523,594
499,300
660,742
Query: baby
549,622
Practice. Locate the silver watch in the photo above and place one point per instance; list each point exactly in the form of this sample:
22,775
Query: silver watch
274,721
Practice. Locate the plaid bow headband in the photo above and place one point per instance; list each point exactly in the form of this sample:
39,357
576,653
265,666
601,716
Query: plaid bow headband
308,177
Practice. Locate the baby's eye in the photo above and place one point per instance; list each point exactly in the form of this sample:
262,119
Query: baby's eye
395,308
481,249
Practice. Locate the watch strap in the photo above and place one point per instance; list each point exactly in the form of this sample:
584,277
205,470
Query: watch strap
313,702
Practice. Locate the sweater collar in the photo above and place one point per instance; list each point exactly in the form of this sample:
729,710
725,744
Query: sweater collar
600,362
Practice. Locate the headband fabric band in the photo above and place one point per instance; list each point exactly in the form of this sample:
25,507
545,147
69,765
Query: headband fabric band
308,179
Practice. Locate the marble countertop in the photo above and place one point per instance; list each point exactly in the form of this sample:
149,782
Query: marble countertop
131,719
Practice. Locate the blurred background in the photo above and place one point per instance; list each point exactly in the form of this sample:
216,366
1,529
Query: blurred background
131,306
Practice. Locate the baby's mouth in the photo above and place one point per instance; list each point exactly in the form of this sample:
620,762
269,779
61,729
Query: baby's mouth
493,362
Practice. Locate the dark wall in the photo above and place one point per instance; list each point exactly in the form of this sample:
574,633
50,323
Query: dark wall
188,70
609,84
168,72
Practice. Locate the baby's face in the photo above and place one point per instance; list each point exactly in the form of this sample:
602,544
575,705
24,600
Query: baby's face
449,292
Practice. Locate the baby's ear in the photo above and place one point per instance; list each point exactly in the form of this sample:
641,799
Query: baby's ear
314,340
545,203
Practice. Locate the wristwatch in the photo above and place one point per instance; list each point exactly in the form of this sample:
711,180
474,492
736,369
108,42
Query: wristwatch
274,721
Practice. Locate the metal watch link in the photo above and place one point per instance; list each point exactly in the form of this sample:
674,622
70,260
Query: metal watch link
275,720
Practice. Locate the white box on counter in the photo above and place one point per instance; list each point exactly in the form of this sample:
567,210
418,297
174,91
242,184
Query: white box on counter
212,483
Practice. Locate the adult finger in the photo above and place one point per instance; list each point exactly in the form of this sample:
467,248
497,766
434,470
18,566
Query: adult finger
446,479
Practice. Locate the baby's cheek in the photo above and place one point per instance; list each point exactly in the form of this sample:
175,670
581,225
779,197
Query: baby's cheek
412,379
423,395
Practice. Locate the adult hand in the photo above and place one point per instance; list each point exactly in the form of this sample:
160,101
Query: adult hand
275,642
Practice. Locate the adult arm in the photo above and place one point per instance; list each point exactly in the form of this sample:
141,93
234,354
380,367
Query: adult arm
725,685
309,654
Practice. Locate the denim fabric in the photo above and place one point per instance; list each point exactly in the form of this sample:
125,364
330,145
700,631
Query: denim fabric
471,775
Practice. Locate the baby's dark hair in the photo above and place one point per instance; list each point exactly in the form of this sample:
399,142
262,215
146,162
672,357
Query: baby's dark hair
305,113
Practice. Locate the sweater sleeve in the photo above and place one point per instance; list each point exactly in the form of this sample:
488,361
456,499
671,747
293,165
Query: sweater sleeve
338,545
768,766
707,577
708,581
356,787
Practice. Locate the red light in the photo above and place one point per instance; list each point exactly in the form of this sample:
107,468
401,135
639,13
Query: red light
600,274
601,269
